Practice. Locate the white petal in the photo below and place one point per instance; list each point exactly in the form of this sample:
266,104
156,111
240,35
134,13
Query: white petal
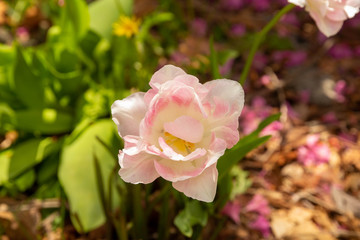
138,168
202,187
164,74
128,113
300,3
226,90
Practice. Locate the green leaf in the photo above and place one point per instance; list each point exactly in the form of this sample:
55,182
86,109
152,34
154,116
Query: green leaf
77,11
214,61
30,153
25,180
7,55
104,25
192,215
5,158
28,87
78,177
46,121
245,145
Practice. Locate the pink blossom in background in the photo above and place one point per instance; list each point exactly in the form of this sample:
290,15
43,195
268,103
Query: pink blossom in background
349,137
262,225
265,80
330,118
232,4
291,18
357,51
290,58
340,91
178,130
252,115
313,152
226,68
272,129
260,61
232,210
296,58
260,5
238,30
340,51
329,15
258,204
199,27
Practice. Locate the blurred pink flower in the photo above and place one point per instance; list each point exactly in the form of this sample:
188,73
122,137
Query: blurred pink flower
329,15
178,130
291,18
340,90
252,115
265,80
313,152
199,27
232,210
330,117
348,137
341,50
272,129
238,30
261,224
226,68
232,4
296,58
260,5
259,205
260,61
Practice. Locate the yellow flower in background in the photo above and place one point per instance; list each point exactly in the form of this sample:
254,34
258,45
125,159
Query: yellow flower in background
126,26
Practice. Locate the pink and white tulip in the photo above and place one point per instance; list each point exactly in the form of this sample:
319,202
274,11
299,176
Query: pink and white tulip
178,130
329,15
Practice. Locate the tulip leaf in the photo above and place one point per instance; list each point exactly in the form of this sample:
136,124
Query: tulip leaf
7,55
28,87
104,25
245,145
77,11
29,153
77,173
46,121
214,61
192,215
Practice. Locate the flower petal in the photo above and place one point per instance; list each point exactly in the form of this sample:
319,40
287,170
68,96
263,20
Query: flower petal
164,74
227,91
185,128
202,187
137,168
128,113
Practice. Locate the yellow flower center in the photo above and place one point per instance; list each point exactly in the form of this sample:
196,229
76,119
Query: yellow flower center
179,145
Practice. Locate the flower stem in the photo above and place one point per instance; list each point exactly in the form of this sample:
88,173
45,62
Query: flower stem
258,39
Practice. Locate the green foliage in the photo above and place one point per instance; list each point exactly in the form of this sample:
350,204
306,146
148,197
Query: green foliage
193,214
78,176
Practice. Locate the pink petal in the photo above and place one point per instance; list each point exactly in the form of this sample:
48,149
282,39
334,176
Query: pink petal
300,3
202,187
261,224
226,90
352,8
128,113
164,74
232,210
138,168
186,128
174,171
258,204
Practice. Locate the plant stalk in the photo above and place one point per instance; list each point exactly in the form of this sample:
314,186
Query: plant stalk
259,38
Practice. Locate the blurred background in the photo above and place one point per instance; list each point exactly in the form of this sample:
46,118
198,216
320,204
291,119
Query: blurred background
64,62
